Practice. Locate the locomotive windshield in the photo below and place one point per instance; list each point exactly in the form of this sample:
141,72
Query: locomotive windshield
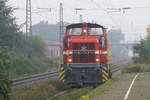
74,31
95,31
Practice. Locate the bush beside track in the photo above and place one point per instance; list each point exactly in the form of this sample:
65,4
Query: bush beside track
74,94
23,66
41,91
103,88
133,68
46,90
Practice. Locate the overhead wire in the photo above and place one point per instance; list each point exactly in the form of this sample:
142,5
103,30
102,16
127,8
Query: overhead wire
106,12
45,10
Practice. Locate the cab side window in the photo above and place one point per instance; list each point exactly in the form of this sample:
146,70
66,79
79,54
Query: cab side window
102,42
67,42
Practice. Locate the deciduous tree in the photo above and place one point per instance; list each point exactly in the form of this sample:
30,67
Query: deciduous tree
142,50
4,77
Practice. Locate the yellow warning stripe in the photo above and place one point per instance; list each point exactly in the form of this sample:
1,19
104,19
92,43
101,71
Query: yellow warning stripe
105,68
105,73
62,78
105,77
61,74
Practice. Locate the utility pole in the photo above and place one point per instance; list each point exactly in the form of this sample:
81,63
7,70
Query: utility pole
61,26
28,18
29,26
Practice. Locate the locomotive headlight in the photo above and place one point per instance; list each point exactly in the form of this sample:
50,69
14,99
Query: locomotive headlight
67,52
70,60
97,60
70,52
84,31
96,52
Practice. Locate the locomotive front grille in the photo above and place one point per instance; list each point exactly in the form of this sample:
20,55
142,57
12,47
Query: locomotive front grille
83,46
83,53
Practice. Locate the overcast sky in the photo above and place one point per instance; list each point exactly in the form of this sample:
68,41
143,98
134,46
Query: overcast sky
133,22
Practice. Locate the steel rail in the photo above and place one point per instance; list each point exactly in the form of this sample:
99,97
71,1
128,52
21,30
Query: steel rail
113,71
33,79
43,77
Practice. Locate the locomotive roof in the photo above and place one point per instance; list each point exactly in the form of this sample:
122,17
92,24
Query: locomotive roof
90,25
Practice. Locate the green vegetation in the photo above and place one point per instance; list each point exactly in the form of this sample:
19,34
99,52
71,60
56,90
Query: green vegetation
40,91
25,53
30,59
7,33
103,88
4,77
74,94
133,68
142,60
47,90
23,66
143,51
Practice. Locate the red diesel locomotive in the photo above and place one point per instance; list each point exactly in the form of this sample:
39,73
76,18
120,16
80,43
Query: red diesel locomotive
85,55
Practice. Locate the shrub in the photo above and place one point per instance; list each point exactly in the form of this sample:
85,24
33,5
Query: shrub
74,94
133,68
40,91
147,68
4,77
22,66
142,50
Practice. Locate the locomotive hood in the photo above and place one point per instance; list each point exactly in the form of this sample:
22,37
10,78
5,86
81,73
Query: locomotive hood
88,39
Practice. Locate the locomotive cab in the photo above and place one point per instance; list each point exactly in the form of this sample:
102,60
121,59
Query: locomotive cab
85,55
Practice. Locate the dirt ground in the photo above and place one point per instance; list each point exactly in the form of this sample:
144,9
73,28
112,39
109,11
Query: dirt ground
118,86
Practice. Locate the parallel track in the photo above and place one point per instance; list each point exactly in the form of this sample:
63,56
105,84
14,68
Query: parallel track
43,77
33,79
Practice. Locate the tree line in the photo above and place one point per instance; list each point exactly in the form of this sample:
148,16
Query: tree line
14,46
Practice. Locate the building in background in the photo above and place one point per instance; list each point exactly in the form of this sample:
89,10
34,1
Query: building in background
52,48
47,31
50,34
119,50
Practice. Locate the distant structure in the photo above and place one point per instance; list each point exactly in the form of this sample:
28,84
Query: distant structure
47,31
52,48
50,33
119,51
148,30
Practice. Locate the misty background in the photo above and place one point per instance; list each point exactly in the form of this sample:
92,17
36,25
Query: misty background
126,20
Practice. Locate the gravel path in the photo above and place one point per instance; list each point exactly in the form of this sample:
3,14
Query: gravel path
117,88
141,88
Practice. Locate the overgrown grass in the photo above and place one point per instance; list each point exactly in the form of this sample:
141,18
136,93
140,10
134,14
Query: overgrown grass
46,90
74,94
22,66
40,91
104,87
133,68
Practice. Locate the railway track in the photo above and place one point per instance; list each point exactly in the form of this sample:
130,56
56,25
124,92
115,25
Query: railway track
43,77
33,79
114,71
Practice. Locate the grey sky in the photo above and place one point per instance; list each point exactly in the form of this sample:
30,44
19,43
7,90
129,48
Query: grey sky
133,22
